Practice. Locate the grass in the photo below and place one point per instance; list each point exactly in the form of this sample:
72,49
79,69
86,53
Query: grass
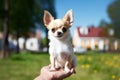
22,66
91,66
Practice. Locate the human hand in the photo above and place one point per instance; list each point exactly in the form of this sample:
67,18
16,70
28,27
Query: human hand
46,74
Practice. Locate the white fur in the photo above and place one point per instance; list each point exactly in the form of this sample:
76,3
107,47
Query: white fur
58,46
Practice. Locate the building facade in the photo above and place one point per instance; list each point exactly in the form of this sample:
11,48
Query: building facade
94,38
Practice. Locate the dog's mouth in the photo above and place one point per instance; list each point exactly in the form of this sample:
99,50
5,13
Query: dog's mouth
59,36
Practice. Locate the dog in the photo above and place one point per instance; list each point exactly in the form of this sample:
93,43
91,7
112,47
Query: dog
60,48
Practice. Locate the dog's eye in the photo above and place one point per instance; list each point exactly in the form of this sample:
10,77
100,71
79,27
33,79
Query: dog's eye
53,29
64,29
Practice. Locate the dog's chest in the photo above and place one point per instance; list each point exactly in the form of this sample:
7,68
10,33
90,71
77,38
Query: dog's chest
58,48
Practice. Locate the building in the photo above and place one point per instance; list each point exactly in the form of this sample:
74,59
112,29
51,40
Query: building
94,38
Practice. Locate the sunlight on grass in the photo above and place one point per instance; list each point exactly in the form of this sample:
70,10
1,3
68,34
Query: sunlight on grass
91,66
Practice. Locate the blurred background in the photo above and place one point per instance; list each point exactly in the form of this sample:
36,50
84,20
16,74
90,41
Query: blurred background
95,36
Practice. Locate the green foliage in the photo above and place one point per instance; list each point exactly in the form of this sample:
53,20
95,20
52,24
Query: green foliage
44,41
1,8
103,23
106,26
25,14
21,14
114,14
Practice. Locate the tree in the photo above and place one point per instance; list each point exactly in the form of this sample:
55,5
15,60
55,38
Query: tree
114,14
4,52
1,13
106,26
102,23
25,14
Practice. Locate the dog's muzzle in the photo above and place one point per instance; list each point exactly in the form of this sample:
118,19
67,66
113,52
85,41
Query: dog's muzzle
59,34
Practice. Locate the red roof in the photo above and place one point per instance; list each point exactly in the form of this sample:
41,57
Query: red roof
92,32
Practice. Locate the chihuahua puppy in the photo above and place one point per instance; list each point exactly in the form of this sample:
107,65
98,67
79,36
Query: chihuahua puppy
60,48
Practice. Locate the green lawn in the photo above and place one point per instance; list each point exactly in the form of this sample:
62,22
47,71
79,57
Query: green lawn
91,66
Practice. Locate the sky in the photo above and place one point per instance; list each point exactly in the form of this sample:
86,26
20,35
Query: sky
86,12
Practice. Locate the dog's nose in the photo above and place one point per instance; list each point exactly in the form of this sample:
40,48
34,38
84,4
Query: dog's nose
59,33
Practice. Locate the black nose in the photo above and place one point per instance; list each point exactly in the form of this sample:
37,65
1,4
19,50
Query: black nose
59,33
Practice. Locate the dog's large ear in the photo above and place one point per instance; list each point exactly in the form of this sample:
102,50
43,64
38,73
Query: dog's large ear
69,17
47,18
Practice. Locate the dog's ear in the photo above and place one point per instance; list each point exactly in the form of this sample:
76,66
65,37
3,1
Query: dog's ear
69,17
47,18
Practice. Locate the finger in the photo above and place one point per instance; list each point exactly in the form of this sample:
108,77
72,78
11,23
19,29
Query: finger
37,78
68,74
62,74
45,68
48,66
73,70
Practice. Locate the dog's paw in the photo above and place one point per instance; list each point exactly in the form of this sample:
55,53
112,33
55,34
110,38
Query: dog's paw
67,70
52,69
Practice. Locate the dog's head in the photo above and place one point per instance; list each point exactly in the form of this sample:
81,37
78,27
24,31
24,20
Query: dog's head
58,27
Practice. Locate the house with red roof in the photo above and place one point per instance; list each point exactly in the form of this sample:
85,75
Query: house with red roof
92,38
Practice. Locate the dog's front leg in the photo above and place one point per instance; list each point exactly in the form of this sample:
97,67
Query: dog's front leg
67,70
52,59
67,64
